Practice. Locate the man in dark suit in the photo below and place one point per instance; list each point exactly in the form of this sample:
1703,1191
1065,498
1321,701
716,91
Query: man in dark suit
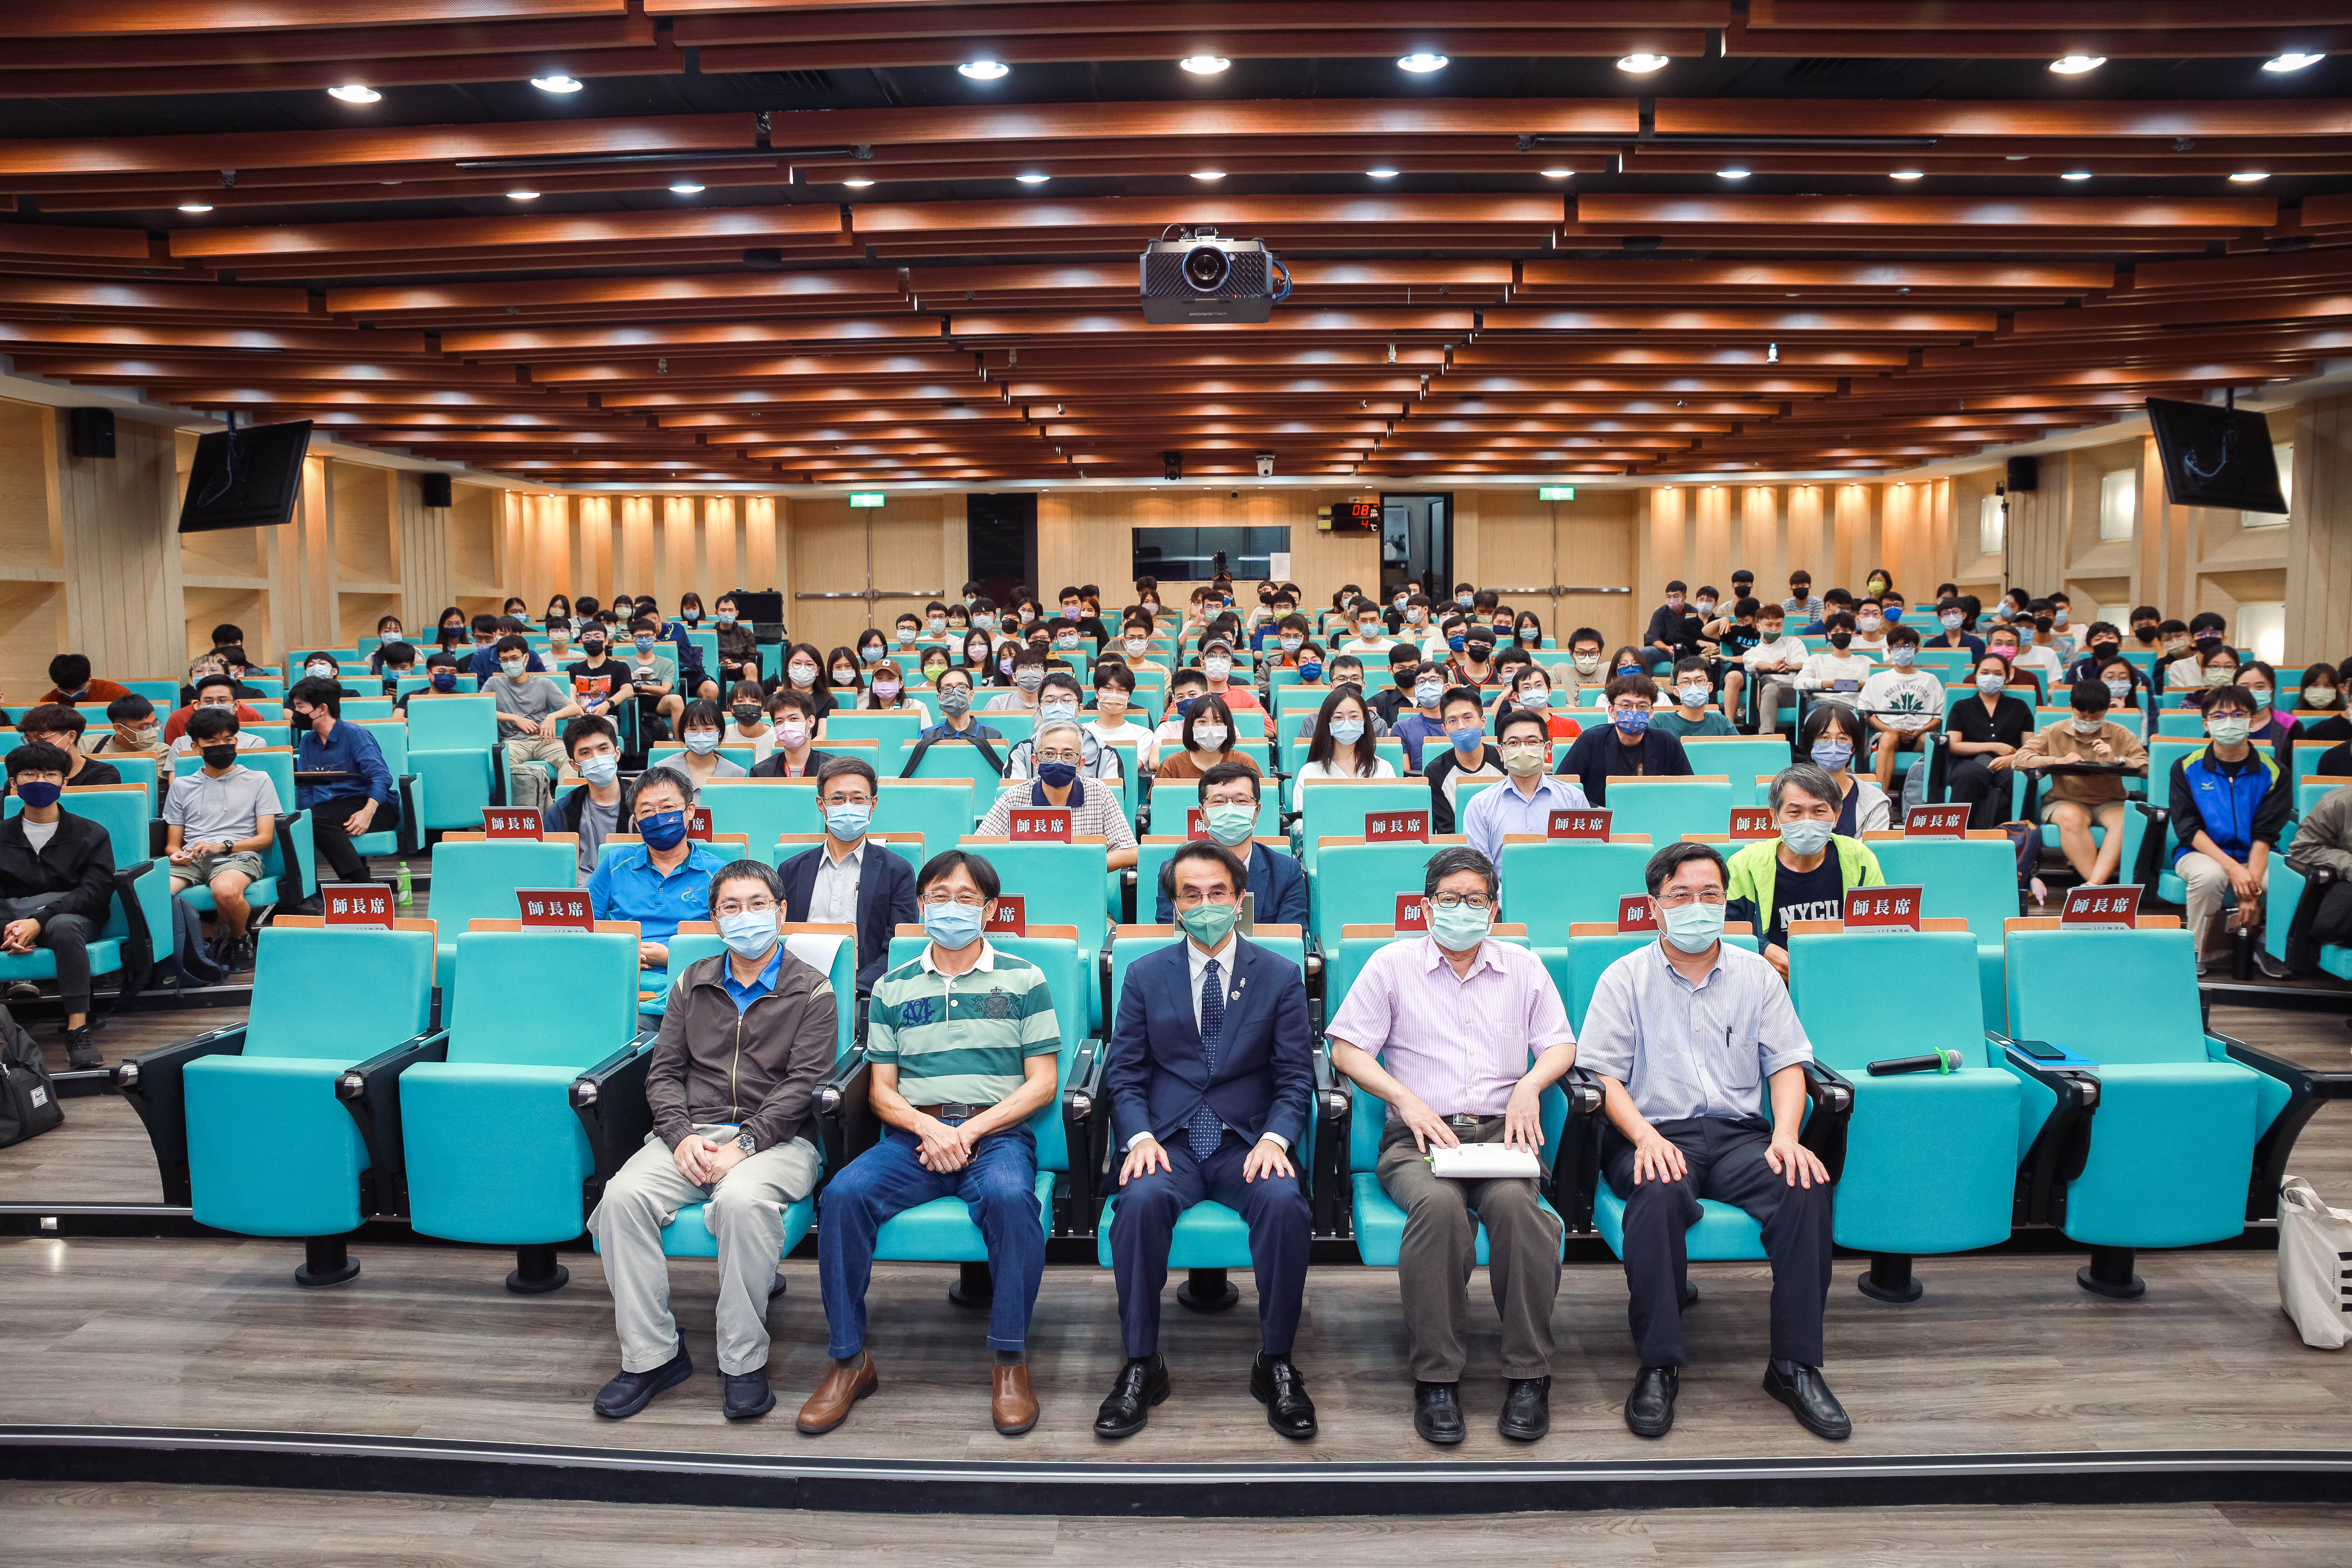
1211,1081
849,880
1278,883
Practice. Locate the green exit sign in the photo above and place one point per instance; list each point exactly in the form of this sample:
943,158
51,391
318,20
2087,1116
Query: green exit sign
865,497
1556,492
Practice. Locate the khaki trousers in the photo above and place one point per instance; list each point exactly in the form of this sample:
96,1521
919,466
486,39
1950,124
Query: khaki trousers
1440,1248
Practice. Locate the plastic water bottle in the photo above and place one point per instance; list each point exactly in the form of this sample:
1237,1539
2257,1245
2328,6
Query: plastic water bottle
407,894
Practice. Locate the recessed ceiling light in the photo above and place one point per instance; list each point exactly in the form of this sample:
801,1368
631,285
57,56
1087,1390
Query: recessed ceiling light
1641,65
2075,65
1906,174
354,93
1033,179
522,195
554,84
858,185
1558,174
984,70
2250,177
1208,174
2282,64
196,206
2075,175
1381,173
685,188
1205,65
1422,64
1731,173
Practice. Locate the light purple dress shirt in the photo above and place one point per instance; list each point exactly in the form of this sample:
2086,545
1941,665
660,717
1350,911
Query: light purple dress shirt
1461,1044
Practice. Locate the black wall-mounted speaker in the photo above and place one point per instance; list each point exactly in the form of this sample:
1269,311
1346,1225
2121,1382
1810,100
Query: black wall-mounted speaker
90,432
2024,474
436,488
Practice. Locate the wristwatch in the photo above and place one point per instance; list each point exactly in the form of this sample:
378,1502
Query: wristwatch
746,1142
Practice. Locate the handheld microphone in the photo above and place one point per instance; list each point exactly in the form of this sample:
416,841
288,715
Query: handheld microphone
1941,1061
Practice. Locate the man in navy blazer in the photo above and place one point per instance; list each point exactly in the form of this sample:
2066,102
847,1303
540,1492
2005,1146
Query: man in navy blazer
1212,1079
1229,799
849,878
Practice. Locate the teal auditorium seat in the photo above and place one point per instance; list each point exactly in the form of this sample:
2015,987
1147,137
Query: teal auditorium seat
535,1010
475,879
1550,885
139,913
289,872
1931,1158
1972,878
1741,758
939,811
2154,1131
291,1122
892,729
453,744
1335,808
763,810
1060,885
408,791
1664,809
1357,884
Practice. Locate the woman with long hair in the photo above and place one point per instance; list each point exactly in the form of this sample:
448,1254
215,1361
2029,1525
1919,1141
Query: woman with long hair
1340,746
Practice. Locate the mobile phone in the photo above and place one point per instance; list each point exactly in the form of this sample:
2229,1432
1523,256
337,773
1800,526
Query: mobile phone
2040,1050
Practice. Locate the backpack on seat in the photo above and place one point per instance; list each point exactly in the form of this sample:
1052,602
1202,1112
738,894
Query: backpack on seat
29,1095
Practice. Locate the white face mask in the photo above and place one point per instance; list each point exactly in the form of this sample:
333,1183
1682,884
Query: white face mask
2089,726
1209,737
1216,668
1137,647
320,667
1696,696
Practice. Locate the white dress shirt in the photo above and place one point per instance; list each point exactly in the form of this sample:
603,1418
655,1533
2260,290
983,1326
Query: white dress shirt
833,897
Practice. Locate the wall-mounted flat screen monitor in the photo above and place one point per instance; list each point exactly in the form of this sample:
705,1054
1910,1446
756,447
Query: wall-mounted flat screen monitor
2215,457
245,478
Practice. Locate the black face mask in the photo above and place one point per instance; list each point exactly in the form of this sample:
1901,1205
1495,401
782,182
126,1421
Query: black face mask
1406,677
1478,652
2146,636
1841,639
220,756
2105,650
596,647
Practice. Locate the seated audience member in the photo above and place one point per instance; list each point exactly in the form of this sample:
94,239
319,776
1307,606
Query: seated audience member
394,662
744,1038
218,822
1773,664
592,808
793,756
1585,658
849,880
1346,670
1027,673
1210,1076
1230,802
1802,606
1690,716
1340,744
1525,802
1217,666
1419,721
963,1043
1805,872
1206,732
700,729
1459,1037
652,679
659,882
747,722
1902,704
2319,706
70,682
2230,801
54,724
1092,806
217,699
1830,735
739,648
1530,686
607,678
1115,722
1675,1136
1371,630
57,886
1837,672
531,710
213,689
136,731
1474,666
2271,726
2322,843
2076,801
955,719
1984,734
323,666
1184,688
1952,619
1626,746
1673,627
1466,758
2102,640
1058,698
1869,629
2190,664
359,799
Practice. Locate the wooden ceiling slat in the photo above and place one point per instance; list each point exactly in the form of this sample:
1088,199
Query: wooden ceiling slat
2219,40
720,227
136,17
350,146
752,292
774,23
658,58
2295,117
345,44
2034,15
2068,213
894,51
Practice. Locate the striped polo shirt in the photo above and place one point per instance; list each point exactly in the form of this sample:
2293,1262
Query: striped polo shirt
962,1037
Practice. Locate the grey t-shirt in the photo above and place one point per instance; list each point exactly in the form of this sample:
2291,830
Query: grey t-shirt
210,810
534,697
596,824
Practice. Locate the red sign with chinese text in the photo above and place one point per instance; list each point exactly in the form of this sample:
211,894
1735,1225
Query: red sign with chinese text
1196,823
1936,822
1634,913
356,904
697,824
1011,919
1396,828
511,821
1752,822
1882,907
2102,907
555,909
1412,913
1590,822
1040,824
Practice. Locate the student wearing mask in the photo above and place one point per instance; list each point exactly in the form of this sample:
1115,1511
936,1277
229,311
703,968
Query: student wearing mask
700,729
1115,722
1025,670
323,666
1691,714
592,808
956,1097
1206,733
387,632
1523,802
652,679
1185,688
607,678
1902,703
1805,873
134,730
2230,801
2004,643
1951,622
935,664
793,714
747,722
531,710
886,690
2175,645
1627,746
1419,721
1837,672
1290,635
804,672
1674,625
1077,618
1878,583
1217,665
2144,621
2101,641
2188,664
1093,804
1230,799
1529,686
1394,698
358,797
844,680
1342,745
1462,715
739,646
2040,648
2319,706
1057,699
1774,664
1985,732
660,880
57,886
849,880
2073,802
54,724
216,690
1674,1136
70,682
872,648
1870,630
1459,1037
1802,606
218,822
2270,728
744,1038
1371,636
1831,735
1134,646
395,662
1733,637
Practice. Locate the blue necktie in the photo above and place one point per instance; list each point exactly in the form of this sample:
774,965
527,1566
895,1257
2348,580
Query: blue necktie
1204,1131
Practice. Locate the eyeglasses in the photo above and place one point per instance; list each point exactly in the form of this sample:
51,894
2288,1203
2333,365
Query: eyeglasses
968,901
1476,902
757,906
1682,897
1065,755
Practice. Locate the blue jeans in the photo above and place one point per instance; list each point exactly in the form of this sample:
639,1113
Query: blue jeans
1001,1185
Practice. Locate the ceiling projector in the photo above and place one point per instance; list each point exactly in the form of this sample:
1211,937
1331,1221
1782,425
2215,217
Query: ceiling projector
1198,277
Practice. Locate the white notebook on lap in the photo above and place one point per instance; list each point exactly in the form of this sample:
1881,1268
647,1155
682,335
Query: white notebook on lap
1483,1162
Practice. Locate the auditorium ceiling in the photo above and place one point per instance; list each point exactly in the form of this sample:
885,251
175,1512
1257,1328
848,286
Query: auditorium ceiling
632,243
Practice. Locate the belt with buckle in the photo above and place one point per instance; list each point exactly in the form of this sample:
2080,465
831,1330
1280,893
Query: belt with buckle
1464,1122
951,1112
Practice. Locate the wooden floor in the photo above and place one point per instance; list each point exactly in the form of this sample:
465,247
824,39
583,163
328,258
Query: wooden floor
131,1526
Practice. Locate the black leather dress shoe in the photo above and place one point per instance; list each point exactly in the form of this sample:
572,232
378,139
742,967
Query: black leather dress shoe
1437,1412
747,1394
1807,1394
1279,1385
1526,1409
1649,1408
1142,1384
633,1391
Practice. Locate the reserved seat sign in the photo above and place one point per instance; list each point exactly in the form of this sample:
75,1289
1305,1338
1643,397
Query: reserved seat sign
555,909
1196,823
1040,824
2102,907
1883,907
1635,912
1396,828
1412,913
1581,823
367,904
1011,917
1936,822
511,821
697,824
1752,822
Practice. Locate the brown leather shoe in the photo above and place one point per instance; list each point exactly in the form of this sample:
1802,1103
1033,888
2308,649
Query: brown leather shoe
1012,1407
843,1386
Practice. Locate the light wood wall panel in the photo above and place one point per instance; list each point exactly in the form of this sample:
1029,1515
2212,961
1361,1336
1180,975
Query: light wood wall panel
1587,543
2319,535
117,519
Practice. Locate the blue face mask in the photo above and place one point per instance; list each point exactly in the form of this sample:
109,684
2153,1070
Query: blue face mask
644,644
445,680
702,742
663,830
1894,614
601,769
954,926
1467,740
1455,642
1834,755
1309,671
1184,709
1057,775
749,933
38,795
848,823
1806,837
1633,723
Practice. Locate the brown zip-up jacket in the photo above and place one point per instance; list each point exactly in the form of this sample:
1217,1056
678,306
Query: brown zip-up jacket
754,1069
